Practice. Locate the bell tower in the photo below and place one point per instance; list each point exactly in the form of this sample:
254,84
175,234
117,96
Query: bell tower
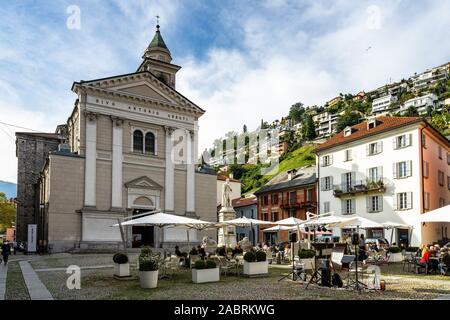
157,60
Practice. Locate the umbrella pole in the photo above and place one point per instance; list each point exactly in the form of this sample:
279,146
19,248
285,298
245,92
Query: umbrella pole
122,235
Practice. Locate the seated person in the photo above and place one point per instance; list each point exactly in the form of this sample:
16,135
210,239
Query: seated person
237,250
425,257
178,252
193,252
266,246
201,252
444,261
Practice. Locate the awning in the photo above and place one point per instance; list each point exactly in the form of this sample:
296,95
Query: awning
244,222
438,215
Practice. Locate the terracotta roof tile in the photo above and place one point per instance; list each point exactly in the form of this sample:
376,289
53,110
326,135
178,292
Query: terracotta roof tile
360,130
243,202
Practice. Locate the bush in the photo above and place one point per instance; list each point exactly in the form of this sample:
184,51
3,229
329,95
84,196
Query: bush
412,249
394,250
210,264
120,258
148,265
250,256
260,256
200,264
306,254
146,251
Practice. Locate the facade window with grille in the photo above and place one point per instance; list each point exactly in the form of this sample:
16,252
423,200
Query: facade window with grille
274,198
274,216
448,182
266,200
374,174
440,152
327,183
402,141
292,213
292,197
374,148
426,169
402,169
374,204
150,143
327,160
441,202
348,206
138,141
403,201
309,194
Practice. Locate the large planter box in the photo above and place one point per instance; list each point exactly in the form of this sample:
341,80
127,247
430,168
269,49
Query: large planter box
256,268
122,270
396,257
148,279
308,263
205,275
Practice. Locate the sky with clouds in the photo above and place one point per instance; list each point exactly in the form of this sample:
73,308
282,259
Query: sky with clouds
242,60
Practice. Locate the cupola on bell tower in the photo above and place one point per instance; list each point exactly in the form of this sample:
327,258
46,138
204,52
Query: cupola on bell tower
157,60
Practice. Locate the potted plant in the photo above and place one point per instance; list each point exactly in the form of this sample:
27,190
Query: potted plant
205,271
146,253
148,273
307,257
121,265
395,254
412,249
255,263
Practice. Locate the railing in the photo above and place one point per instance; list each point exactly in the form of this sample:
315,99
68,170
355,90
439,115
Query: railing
299,204
359,186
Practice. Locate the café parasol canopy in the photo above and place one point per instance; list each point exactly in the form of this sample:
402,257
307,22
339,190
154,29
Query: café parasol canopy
438,215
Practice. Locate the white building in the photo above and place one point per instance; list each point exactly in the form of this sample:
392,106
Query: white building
386,169
421,103
325,123
382,104
429,77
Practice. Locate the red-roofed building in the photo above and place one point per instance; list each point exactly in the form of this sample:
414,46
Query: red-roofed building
246,207
387,169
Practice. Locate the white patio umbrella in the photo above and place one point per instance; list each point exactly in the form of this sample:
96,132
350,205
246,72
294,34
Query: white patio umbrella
244,222
279,228
394,225
362,223
162,220
330,221
438,215
291,221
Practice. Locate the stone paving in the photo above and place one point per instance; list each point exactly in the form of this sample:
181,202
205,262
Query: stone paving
36,288
3,274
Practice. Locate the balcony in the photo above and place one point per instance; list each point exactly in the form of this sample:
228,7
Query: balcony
298,204
359,187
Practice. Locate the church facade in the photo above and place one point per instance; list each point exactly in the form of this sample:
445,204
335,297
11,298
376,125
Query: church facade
131,148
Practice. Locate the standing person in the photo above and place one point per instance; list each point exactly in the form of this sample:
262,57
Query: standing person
6,250
362,254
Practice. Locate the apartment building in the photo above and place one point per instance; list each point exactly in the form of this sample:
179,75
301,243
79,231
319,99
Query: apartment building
387,169
289,194
422,103
429,77
325,123
382,104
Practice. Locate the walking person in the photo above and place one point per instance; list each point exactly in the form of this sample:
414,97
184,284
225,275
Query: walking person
6,251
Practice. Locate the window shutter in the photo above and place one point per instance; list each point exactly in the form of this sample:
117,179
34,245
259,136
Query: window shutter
409,200
380,173
353,206
408,168
331,159
379,147
322,184
409,139
343,181
380,203
395,199
343,207
394,143
368,204
394,171
353,178
368,150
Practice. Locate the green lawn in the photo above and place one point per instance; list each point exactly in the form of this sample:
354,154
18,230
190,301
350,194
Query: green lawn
300,157
15,285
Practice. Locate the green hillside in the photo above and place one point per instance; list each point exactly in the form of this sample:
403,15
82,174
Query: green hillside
250,175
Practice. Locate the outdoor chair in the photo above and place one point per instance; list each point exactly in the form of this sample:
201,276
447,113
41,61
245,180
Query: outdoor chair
408,260
226,266
173,264
419,266
351,274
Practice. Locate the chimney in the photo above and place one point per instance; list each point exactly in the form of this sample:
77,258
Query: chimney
291,174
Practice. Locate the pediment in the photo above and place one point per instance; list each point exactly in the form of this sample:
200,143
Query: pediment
143,89
143,183
140,86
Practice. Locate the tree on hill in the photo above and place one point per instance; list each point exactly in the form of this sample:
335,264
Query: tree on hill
441,121
308,128
411,112
296,112
7,212
348,119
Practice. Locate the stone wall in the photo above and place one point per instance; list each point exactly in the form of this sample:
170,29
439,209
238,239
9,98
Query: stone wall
31,150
